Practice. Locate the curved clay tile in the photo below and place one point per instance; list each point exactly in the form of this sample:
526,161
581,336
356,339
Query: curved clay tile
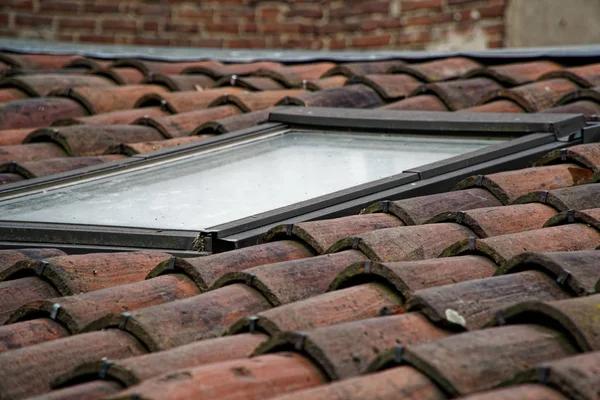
517,73
234,123
10,257
289,281
77,311
88,63
218,70
30,152
585,76
573,198
123,117
34,169
38,61
181,83
148,67
17,292
7,178
12,94
462,93
29,371
12,137
577,270
496,106
256,101
293,75
28,333
483,359
574,237
577,317
471,304
350,304
120,76
183,124
363,68
178,102
508,186
76,274
405,243
520,392
589,217
94,390
43,84
331,82
587,155
31,113
131,149
409,276
253,83
180,322
345,350
418,210
133,370
589,109
320,235
424,102
390,87
207,269
108,99
592,94
438,70
249,378
501,220
91,140
349,96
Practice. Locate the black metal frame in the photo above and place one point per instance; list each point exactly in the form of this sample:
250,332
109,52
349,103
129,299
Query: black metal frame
533,134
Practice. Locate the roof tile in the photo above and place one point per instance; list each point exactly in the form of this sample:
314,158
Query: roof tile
589,109
148,67
10,257
121,75
12,137
389,87
588,155
11,94
293,75
122,117
406,242
438,70
131,149
252,83
181,83
521,392
41,61
573,198
589,217
29,371
234,123
90,140
33,113
363,68
496,106
185,101
255,101
294,280
578,270
95,390
331,82
14,293
471,304
482,359
349,96
6,178
30,152
351,304
424,102
508,186
460,93
207,269
218,70
253,379
519,73
17,335
88,272
34,169
43,84
586,75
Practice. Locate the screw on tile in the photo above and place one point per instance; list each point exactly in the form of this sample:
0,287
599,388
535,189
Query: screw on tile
233,80
68,91
385,206
170,265
250,278
54,312
355,242
304,84
300,339
563,154
41,267
95,272
543,373
543,196
252,320
288,229
12,167
367,266
124,318
563,276
500,321
570,216
106,364
459,217
479,180
163,104
471,243
398,353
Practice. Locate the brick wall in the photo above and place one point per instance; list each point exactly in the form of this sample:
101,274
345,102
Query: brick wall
306,24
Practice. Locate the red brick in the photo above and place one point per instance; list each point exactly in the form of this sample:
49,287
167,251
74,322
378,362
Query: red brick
371,41
495,44
155,10
119,25
249,28
430,19
336,44
269,12
413,38
151,26
221,28
213,43
66,7
77,23
313,44
4,17
245,44
150,41
409,5
97,38
181,28
337,28
32,20
94,7
381,24
18,4
370,7
194,13
312,12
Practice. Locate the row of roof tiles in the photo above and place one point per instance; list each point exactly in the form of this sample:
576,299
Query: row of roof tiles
60,113
435,296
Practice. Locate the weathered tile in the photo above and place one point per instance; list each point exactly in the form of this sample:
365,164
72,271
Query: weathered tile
121,75
331,82
462,93
349,96
515,74
95,390
589,109
496,106
256,101
572,198
148,67
12,94
6,178
234,123
253,83
31,113
131,149
34,169
180,83
10,257
438,70
27,333
17,292
423,102
40,85
534,97
293,75
123,117
390,87
218,70
585,76
30,152
587,155
13,137
363,68
179,102
521,392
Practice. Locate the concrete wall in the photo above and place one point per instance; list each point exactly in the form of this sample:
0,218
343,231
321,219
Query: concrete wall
552,22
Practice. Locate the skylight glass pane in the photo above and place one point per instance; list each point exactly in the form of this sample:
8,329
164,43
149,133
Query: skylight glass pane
216,187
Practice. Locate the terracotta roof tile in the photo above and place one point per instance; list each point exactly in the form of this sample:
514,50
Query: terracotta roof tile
133,370
573,198
122,117
536,96
519,73
12,137
185,101
363,68
587,155
293,75
183,124
589,217
350,304
577,317
10,178
258,83
34,169
471,304
90,140
462,93
122,75
107,99
131,149
295,280
576,376
508,186
10,257
85,273
43,84
80,310
256,101
573,237
482,359
40,61
30,370
345,350
592,94
148,67
21,334
496,106
321,235
206,270
88,63
586,76
95,390
30,152
438,70
253,379
234,123
521,392
331,82
175,82
409,276
33,113
179,322
502,220
16,292
218,70
405,243
589,109
424,102
389,87
11,94
382,385
349,96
